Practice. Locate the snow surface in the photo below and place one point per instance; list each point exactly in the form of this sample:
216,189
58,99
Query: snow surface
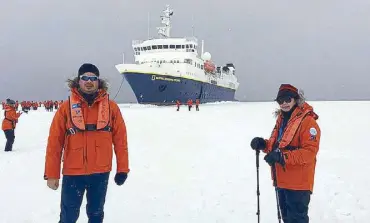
198,167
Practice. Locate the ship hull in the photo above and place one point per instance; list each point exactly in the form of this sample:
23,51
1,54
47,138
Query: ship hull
165,90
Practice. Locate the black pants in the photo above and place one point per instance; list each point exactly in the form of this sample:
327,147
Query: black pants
73,190
9,134
294,205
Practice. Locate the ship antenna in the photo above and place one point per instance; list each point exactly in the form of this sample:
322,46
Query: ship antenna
148,25
165,31
192,25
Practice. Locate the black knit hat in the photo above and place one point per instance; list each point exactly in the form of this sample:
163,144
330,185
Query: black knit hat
88,67
10,101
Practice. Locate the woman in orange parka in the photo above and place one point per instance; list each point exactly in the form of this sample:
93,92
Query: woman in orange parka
9,123
291,152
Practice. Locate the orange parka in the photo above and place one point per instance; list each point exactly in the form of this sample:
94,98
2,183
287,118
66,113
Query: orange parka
299,145
10,118
86,152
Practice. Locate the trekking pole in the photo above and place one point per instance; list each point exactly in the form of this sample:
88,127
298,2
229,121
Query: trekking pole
276,193
258,183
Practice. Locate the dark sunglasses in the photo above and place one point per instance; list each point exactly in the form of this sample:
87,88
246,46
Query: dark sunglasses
283,99
91,78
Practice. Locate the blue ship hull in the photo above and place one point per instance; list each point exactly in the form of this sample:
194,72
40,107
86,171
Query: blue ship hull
165,90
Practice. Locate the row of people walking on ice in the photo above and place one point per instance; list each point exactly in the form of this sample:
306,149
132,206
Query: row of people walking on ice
86,126
26,106
189,104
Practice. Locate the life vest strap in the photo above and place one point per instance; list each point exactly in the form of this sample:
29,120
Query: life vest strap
88,127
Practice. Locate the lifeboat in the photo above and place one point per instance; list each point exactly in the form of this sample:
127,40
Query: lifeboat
209,66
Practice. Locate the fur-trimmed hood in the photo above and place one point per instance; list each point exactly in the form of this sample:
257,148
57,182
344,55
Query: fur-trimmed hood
73,83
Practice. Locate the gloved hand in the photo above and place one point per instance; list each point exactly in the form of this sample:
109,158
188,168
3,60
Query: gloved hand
120,178
258,143
275,156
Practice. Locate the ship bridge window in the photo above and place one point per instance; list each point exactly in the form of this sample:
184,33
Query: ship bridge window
141,48
172,46
145,48
187,46
191,45
160,46
183,46
165,46
149,47
154,47
178,46
188,61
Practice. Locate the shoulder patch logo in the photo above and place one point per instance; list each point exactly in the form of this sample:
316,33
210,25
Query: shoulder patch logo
313,131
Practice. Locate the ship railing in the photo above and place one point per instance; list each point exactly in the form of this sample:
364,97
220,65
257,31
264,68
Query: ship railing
136,42
194,39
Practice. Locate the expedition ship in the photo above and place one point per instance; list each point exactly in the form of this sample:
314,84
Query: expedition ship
167,69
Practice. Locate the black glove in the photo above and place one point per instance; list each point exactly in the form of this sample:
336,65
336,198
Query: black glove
275,156
258,143
120,178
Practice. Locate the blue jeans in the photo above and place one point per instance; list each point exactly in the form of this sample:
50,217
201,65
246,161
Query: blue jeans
9,134
73,189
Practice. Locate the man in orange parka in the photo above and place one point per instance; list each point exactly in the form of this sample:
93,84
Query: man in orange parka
83,131
291,152
9,123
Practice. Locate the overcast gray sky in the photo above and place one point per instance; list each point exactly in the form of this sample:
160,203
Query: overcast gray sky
322,46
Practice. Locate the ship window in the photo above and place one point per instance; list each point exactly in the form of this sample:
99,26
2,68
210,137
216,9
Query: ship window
141,49
183,46
189,61
165,46
178,46
154,47
178,61
172,46
191,45
160,46
187,46
145,48
149,47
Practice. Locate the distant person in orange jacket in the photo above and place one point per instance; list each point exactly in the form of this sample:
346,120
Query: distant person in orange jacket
9,123
190,104
197,102
83,131
178,103
291,152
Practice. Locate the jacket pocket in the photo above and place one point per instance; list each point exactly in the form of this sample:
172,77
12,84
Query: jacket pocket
74,158
103,153
293,175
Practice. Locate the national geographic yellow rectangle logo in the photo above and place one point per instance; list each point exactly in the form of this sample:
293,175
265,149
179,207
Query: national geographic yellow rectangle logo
165,79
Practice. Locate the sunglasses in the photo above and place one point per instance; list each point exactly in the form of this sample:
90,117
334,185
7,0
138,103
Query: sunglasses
87,78
283,99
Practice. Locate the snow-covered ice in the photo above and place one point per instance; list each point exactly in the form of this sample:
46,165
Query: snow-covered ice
198,167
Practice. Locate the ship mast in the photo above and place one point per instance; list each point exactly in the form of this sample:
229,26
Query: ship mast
164,31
